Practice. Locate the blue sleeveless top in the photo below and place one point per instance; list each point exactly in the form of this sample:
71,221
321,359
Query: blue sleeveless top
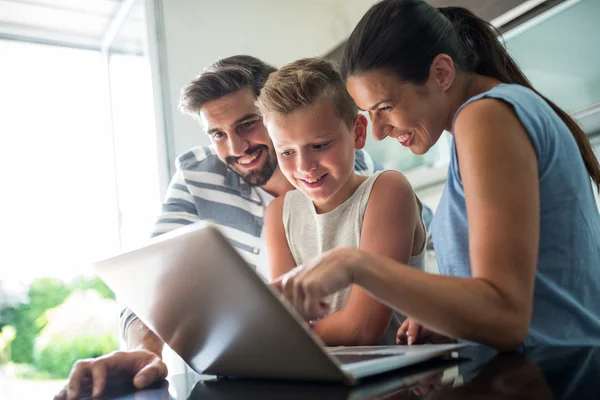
566,305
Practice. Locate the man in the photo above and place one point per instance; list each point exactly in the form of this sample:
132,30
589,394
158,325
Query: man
229,183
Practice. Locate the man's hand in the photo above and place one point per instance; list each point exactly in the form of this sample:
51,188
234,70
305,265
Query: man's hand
143,366
411,332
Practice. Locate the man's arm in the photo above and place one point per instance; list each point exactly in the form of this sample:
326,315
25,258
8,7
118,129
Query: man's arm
178,209
388,230
139,337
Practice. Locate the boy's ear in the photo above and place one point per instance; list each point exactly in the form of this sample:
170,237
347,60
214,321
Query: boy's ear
360,131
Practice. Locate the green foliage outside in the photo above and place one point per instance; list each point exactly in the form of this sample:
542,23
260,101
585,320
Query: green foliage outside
58,356
27,318
43,293
81,283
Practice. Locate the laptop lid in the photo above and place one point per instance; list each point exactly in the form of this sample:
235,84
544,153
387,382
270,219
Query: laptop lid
194,290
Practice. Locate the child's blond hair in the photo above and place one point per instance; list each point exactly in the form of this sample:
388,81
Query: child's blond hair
302,83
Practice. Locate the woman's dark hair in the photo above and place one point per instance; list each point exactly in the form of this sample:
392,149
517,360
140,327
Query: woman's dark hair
406,35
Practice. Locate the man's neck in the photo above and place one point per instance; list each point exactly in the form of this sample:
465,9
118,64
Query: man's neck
278,185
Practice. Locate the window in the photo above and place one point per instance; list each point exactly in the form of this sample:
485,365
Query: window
79,164
555,50
134,132
59,203
59,208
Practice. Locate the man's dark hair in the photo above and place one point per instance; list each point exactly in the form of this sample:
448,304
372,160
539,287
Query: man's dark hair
222,78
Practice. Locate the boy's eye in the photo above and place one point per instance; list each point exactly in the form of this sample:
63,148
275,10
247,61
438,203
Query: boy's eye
321,146
286,153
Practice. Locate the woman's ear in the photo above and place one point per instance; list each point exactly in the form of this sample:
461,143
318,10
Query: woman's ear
443,71
360,131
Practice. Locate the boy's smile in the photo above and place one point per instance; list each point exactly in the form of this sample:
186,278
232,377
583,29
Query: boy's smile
313,183
315,149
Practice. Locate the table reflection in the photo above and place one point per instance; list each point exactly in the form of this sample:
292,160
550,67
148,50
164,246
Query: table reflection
476,372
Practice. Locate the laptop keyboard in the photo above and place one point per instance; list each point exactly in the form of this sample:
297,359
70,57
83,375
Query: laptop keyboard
349,358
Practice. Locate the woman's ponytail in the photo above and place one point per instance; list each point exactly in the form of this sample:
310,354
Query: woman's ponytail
483,54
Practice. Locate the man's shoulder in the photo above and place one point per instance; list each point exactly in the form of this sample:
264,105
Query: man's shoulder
201,159
364,164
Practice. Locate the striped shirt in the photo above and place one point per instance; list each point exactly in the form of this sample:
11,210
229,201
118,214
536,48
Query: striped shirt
205,189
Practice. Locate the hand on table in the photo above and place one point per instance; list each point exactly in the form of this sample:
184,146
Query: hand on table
141,366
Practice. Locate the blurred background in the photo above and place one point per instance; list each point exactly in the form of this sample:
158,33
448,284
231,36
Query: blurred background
90,130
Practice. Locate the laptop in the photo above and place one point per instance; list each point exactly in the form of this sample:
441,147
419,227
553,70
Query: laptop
195,291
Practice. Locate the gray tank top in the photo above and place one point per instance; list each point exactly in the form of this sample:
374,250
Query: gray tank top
310,234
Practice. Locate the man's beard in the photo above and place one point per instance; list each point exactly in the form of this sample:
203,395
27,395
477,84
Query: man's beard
257,177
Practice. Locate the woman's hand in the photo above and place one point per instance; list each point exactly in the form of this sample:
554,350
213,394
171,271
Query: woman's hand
411,332
306,286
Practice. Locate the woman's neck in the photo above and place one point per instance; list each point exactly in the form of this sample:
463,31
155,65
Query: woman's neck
467,86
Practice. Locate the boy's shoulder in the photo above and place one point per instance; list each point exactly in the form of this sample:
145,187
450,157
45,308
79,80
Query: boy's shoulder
392,202
393,178
292,196
291,205
390,184
277,203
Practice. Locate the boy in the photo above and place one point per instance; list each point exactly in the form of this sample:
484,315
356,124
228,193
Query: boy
315,129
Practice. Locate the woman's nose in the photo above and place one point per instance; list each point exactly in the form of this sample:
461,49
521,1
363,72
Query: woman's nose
380,129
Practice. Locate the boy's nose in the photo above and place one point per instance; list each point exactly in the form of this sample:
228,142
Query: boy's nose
306,164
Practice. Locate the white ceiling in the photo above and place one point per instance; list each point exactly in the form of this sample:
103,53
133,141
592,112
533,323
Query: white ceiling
78,23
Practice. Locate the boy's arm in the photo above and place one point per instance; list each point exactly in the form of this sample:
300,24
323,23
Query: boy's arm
388,230
280,257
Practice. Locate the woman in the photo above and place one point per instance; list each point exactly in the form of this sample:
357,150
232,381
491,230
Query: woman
517,231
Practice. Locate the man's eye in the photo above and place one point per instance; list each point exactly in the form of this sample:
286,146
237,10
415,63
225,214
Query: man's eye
247,125
217,135
385,108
